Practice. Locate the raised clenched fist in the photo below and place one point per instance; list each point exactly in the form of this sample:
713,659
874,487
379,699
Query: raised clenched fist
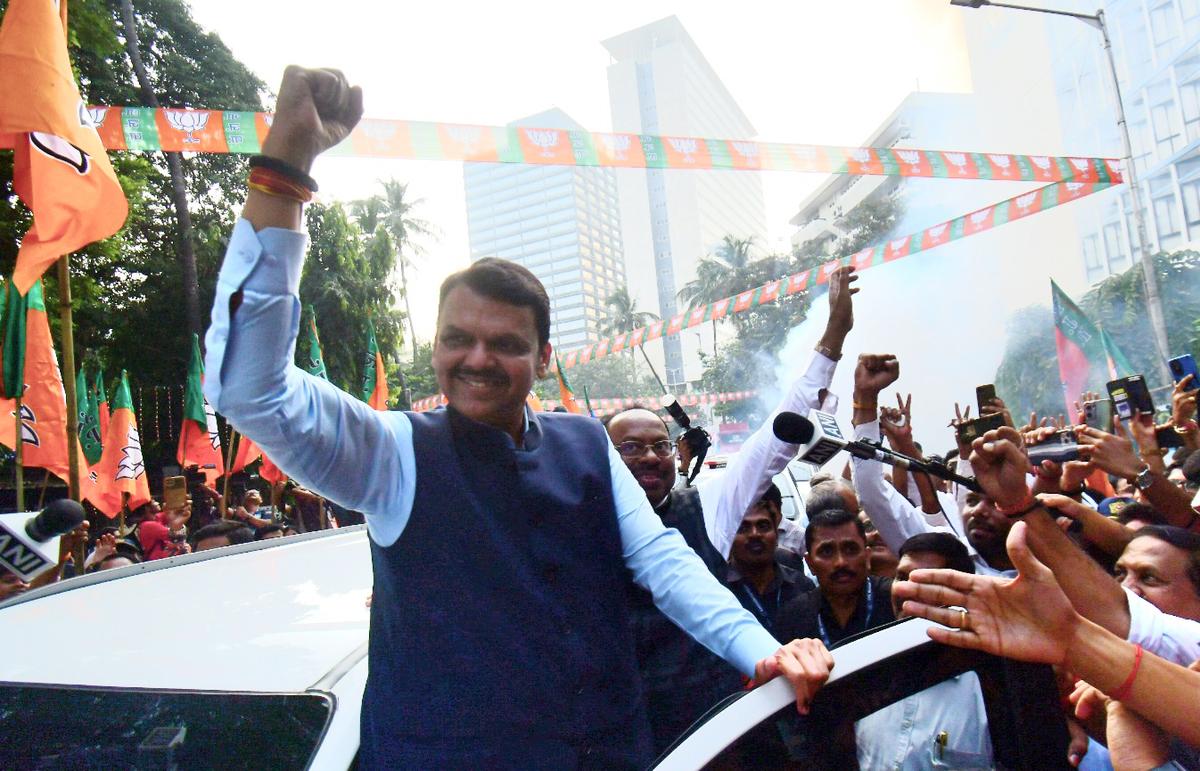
316,109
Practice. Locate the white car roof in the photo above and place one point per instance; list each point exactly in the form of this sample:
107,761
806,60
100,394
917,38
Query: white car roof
273,616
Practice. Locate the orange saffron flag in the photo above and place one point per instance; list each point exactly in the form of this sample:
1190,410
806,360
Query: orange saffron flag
60,168
121,468
379,396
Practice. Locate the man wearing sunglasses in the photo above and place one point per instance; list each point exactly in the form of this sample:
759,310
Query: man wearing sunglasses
681,678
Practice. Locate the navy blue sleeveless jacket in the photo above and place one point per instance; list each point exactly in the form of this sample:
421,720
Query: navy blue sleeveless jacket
682,679
499,625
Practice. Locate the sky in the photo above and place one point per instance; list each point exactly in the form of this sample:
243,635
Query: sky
807,71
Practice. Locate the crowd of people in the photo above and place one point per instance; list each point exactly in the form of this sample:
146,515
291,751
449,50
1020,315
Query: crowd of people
598,604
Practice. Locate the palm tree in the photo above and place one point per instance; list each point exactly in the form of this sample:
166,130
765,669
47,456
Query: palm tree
623,316
721,275
393,213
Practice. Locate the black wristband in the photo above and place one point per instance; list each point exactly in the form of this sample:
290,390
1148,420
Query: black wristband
284,168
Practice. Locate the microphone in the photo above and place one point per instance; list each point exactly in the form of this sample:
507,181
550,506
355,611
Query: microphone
58,518
820,438
29,545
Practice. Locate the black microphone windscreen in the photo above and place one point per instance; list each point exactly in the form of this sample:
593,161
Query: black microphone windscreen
792,428
57,518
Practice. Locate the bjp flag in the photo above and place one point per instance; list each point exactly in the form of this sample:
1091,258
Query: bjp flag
247,453
121,468
43,400
199,442
60,168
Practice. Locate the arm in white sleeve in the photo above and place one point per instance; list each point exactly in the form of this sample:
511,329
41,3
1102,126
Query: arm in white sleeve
893,515
1170,637
327,440
726,501
683,589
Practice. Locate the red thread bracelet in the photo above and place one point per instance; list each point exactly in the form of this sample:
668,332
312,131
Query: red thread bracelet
1122,693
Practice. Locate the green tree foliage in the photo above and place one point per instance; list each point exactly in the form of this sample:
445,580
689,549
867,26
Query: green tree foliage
622,315
1028,376
347,278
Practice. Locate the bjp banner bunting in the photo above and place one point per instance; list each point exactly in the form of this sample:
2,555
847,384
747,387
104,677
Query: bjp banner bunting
60,168
121,468
374,385
29,357
566,394
199,442
89,421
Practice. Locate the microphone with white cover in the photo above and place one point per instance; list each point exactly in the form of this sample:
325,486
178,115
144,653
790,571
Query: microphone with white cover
29,545
820,438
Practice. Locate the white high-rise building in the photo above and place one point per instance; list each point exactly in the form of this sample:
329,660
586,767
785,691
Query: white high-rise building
660,83
561,222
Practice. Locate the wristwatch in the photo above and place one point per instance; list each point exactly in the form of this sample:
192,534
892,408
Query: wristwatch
1144,478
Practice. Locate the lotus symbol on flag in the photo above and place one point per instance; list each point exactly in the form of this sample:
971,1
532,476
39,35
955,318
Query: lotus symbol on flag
1041,161
1003,161
861,155
899,243
29,434
746,149
1073,187
187,121
686,146
269,119
911,157
937,230
617,144
213,437
980,217
1080,164
543,138
959,160
92,116
467,136
131,465
1025,201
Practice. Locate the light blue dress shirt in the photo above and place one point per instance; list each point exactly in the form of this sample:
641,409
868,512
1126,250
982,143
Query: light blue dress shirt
363,459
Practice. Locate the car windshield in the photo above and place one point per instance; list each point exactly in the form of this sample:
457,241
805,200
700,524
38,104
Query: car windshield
60,728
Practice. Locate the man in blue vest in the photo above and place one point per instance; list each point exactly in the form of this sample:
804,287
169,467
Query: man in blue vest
510,649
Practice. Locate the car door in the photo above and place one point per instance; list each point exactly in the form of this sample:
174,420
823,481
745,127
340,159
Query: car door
761,729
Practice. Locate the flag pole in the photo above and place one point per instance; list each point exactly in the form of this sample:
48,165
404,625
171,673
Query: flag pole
67,330
229,456
19,480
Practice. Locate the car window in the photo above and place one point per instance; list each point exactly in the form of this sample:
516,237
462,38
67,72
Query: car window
1024,726
67,728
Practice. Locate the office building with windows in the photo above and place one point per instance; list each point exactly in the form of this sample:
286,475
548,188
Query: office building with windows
561,222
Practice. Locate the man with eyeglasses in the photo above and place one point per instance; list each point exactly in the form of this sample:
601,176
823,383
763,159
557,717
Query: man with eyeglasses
681,678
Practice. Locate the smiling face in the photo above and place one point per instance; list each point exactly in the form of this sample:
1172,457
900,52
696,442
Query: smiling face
757,537
486,357
987,529
655,473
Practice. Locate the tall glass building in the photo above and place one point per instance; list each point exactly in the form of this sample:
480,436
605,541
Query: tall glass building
1157,48
561,222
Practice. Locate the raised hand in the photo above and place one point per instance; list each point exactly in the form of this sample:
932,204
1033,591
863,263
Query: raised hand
1183,401
1000,466
896,424
316,109
841,306
875,372
1027,618
1111,452
961,416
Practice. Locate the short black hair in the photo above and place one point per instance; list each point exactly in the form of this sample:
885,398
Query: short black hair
506,282
831,518
825,496
772,495
943,544
236,532
1181,539
266,530
1141,512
